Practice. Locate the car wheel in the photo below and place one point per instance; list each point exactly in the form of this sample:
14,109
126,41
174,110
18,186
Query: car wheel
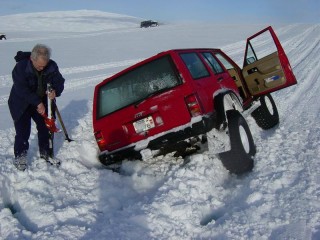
240,158
266,116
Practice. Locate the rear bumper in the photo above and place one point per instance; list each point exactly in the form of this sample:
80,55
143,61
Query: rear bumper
166,143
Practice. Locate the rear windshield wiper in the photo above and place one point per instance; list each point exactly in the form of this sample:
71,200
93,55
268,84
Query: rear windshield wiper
137,103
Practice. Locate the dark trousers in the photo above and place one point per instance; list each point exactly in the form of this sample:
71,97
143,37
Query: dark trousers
23,130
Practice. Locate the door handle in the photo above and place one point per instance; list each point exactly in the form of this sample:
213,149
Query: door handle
252,70
272,70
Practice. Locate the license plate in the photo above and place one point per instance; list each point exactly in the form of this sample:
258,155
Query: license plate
143,124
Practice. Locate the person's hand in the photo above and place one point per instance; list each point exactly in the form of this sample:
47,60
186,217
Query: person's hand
41,109
52,94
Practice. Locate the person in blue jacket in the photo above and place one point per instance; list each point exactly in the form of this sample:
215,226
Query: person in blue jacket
28,100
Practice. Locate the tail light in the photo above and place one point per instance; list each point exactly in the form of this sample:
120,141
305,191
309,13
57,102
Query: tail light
100,140
193,105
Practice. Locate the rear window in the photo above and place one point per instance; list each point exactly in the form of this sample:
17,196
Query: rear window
135,86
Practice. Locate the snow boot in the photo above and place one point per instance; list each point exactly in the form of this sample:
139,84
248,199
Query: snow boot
53,161
20,163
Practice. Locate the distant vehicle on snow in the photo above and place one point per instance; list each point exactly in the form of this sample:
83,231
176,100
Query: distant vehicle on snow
148,23
2,36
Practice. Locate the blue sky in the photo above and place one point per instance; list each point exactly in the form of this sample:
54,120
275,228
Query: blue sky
221,11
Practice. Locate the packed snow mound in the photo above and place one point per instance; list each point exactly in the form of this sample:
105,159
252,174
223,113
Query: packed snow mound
67,21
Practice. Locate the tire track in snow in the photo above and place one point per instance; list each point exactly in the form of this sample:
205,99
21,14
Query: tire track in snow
305,58
74,83
6,80
64,35
77,83
70,85
96,67
287,149
298,44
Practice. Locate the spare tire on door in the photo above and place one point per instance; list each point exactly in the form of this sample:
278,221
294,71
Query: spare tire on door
240,158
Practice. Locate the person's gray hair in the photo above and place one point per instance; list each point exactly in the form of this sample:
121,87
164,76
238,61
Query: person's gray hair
41,50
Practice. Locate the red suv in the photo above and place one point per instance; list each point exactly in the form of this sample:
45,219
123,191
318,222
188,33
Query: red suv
179,98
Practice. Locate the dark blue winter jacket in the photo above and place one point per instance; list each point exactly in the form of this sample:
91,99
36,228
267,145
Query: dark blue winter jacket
25,83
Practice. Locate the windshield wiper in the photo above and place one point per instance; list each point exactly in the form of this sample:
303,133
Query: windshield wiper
137,103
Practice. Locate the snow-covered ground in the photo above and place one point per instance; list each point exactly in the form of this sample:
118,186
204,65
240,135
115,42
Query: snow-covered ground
165,198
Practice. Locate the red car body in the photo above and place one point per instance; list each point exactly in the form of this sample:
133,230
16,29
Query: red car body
181,96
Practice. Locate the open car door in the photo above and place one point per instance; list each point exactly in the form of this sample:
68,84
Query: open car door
266,67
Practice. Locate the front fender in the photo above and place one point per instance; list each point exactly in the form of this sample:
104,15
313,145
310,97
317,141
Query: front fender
222,103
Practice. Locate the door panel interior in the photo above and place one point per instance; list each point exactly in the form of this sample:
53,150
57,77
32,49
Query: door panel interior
264,74
266,67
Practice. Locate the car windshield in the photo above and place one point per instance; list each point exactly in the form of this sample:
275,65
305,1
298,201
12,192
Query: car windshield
135,86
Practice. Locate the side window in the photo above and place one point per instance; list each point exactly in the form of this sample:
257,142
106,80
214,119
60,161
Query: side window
195,65
251,56
224,61
260,47
213,63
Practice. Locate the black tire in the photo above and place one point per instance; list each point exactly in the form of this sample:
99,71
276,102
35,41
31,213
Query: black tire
240,158
266,116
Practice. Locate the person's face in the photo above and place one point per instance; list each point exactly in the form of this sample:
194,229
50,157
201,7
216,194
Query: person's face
39,63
